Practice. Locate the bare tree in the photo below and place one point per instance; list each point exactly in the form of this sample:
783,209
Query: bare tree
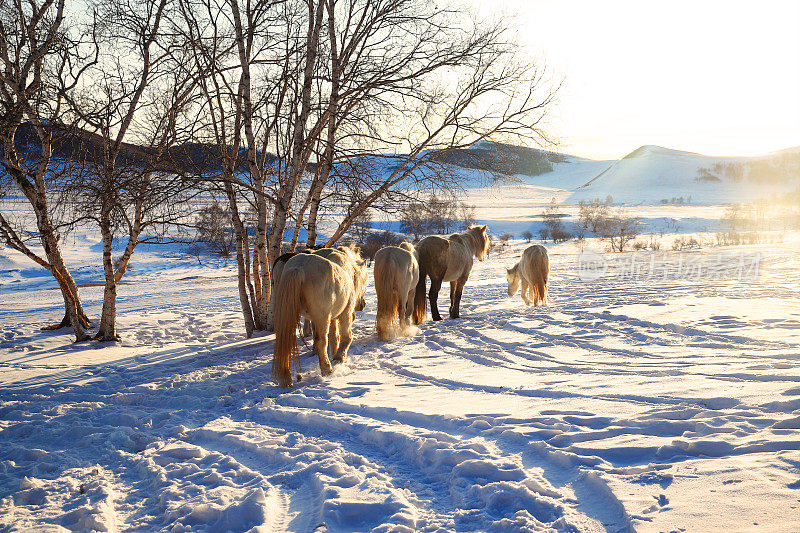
38,52
133,109
619,230
592,212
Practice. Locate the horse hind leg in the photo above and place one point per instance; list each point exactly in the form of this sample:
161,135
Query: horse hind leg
541,291
345,327
333,337
403,311
455,297
321,328
410,305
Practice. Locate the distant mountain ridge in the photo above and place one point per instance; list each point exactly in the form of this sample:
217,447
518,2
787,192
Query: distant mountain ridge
649,174
503,158
654,174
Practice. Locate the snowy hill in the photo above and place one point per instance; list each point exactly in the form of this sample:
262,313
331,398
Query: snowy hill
653,174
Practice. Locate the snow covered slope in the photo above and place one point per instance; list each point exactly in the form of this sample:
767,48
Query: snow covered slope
570,173
651,174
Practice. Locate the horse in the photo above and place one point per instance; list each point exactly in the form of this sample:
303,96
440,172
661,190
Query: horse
396,275
349,258
276,272
447,259
277,266
324,292
532,272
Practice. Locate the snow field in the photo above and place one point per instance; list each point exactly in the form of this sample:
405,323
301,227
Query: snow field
625,404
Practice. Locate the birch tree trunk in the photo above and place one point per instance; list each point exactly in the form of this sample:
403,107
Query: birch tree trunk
37,197
108,318
299,140
247,311
327,159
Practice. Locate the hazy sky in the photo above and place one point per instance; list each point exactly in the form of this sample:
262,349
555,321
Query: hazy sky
717,77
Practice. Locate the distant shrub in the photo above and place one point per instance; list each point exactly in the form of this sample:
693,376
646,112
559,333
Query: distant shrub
376,241
685,243
435,215
213,225
592,212
560,235
527,235
618,230
552,220
652,243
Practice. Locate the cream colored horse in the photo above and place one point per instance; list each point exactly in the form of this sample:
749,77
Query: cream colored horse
327,294
447,259
396,275
531,272
275,274
349,258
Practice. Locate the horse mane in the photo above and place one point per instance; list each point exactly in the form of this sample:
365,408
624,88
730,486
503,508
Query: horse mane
352,252
473,240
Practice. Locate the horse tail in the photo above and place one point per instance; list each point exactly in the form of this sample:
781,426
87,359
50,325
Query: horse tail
545,274
540,268
275,274
420,304
388,298
287,316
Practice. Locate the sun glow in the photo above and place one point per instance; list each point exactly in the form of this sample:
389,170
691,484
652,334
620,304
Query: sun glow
715,77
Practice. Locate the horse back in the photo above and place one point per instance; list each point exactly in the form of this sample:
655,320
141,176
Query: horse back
432,255
459,258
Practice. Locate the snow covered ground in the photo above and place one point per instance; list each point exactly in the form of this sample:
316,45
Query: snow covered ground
658,403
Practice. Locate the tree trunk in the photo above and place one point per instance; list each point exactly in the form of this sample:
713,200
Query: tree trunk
299,224
261,256
313,211
257,322
74,310
247,311
257,284
299,141
327,159
37,196
108,318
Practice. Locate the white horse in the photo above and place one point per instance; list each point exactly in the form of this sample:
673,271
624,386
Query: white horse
396,275
531,272
326,293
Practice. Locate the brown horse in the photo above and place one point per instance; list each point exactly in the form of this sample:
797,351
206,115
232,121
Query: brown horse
396,275
532,272
447,259
327,294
